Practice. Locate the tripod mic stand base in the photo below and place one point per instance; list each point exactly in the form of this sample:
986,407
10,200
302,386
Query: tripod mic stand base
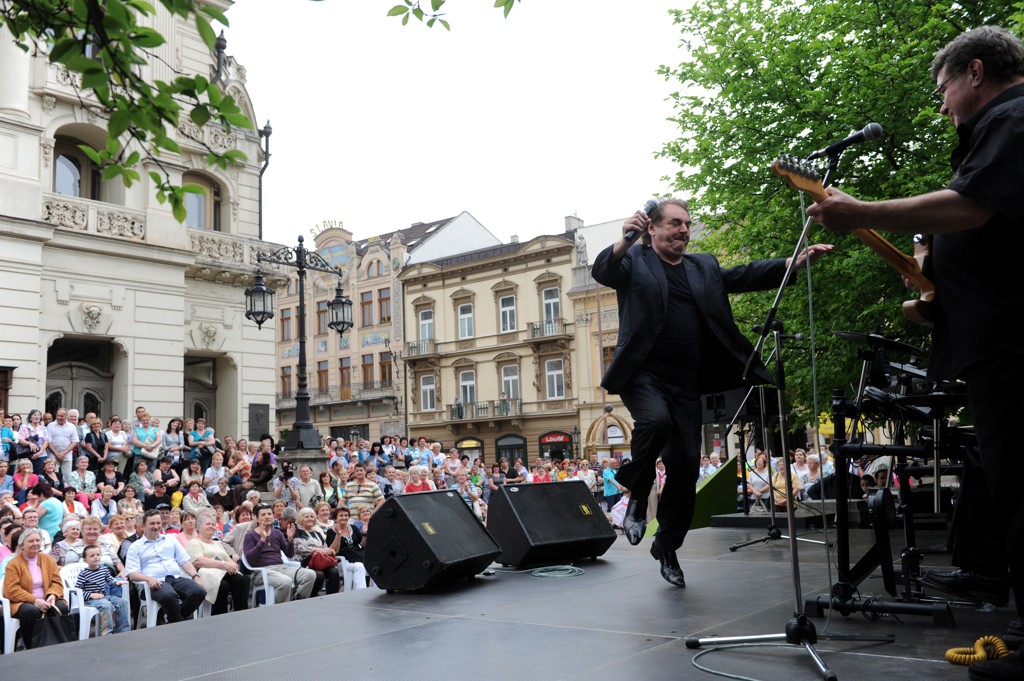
799,631
940,612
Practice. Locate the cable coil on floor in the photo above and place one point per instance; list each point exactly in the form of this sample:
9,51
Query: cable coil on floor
985,648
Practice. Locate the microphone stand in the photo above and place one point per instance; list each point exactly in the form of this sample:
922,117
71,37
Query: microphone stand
799,630
772,532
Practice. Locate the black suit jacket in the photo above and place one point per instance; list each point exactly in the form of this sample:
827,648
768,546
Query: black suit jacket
642,290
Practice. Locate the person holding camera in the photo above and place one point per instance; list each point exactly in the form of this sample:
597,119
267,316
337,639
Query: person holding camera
285,486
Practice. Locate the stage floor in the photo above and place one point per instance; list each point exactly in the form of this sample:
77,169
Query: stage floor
617,620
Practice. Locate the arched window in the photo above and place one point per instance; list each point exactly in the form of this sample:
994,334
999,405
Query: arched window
203,209
73,172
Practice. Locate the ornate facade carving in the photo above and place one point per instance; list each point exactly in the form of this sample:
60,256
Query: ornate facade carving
209,335
122,225
46,147
66,214
219,249
91,316
49,103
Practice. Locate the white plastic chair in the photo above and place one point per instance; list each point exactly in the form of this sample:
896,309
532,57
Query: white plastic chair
11,623
87,614
268,590
153,608
147,603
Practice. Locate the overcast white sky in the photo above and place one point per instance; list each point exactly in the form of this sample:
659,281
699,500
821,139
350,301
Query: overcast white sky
556,110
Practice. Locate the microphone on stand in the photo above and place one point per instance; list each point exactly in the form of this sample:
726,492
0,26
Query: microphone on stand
632,234
871,131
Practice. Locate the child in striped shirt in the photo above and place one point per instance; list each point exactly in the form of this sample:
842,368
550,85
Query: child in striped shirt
95,581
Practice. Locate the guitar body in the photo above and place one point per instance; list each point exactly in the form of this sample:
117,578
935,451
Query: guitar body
801,175
921,310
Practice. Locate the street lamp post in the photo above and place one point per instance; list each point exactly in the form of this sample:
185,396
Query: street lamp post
575,442
395,358
260,308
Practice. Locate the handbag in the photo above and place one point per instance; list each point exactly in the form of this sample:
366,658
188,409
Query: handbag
54,627
22,451
321,561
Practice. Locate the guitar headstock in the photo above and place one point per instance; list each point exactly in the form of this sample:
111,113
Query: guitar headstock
800,174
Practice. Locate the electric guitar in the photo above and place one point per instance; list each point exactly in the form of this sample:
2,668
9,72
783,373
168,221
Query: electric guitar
803,176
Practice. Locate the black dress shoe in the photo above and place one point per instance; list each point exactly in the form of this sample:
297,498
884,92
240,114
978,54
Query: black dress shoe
670,569
1009,668
994,590
634,523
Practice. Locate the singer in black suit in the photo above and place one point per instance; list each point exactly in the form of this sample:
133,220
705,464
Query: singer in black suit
677,340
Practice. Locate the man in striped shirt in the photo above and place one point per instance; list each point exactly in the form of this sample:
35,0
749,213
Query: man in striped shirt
361,493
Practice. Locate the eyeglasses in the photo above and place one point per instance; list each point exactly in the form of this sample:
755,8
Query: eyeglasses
939,92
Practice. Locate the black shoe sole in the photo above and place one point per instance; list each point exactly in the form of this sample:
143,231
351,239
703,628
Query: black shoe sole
635,531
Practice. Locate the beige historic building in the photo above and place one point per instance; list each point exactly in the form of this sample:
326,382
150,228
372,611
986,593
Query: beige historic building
353,381
489,354
108,301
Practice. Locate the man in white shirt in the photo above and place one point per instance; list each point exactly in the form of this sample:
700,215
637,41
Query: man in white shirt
63,442
159,560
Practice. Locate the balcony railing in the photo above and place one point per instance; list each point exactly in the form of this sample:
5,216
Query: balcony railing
551,327
96,217
495,409
340,393
485,409
421,347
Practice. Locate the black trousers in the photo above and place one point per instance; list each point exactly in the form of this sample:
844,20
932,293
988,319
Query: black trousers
179,597
995,395
236,586
667,422
28,614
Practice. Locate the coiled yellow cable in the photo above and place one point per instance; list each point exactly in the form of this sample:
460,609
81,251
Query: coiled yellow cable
985,648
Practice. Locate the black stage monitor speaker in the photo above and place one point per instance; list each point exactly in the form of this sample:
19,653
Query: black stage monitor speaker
548,522
426,539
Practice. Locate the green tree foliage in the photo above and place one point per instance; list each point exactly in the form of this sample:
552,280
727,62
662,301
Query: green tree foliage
764,77
104,44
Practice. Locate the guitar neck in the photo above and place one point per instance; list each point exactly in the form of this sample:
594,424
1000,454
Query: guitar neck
905,264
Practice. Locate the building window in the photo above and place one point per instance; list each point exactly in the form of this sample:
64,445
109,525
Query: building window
555,379
607,352
286,381
321,318
428,401
286,324
345,378
367,370
322,382
73,172
467,386
552,310
375,269
507,309
292,286
510,381
386,365
203,208
426,325
366,307
466,320
384,305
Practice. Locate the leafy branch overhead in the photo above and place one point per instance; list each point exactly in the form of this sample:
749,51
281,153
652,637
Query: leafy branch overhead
414,9
104,46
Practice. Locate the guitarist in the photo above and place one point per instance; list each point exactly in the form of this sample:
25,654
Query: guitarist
977,223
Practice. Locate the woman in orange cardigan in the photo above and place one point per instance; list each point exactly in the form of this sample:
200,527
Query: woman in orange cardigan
32,583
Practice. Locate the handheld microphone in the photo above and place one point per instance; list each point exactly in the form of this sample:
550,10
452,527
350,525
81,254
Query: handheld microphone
871,131
632,234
